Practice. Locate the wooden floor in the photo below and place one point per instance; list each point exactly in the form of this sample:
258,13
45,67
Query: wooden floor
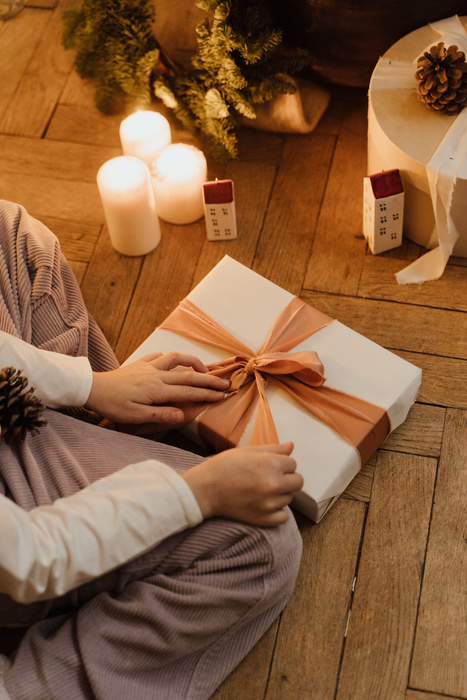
380,606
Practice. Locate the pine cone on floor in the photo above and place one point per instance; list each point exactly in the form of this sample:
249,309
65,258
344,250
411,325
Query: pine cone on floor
442,78
20,410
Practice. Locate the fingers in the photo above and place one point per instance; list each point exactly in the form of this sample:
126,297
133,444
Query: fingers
177,359
187,386
194,378
167,416
285,448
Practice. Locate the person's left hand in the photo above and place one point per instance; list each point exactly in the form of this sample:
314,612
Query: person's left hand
139,392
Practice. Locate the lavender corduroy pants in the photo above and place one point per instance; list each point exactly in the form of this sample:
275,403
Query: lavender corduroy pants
170,625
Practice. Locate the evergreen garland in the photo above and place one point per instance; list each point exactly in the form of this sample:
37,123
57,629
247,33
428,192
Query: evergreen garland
239,63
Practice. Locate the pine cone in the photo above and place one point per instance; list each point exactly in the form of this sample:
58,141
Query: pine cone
442,78
20,410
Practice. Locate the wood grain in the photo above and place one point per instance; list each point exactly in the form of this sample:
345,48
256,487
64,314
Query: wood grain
339,246
306,664
285,242
53,159
108,286
379,642
378,282
443,379
398,326
442,620
25,31
49,197
32,104
421,433
166,278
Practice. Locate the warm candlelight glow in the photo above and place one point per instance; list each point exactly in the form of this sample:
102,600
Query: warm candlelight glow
129,207
144,135
177,176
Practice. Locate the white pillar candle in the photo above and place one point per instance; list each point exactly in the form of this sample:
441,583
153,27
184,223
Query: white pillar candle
177,177
144,135
129,207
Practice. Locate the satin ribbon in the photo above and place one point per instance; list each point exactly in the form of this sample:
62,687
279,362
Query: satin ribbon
300,374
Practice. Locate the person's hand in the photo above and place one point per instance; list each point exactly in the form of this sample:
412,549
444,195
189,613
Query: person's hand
251,484
139,392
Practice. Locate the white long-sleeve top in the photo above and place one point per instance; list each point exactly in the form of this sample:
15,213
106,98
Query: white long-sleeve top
51,549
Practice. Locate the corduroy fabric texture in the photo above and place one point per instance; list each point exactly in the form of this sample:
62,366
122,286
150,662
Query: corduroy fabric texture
170,625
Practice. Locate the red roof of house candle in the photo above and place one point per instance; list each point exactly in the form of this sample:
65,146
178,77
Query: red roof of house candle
218,192
386,184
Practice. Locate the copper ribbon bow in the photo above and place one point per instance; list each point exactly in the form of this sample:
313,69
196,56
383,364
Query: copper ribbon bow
301,374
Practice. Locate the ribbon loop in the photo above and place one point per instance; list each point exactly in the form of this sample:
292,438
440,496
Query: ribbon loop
300,374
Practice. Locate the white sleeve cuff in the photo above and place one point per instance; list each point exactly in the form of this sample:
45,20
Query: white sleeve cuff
50,550
60,380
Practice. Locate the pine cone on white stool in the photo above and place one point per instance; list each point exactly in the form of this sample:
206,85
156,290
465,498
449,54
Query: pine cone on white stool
442,78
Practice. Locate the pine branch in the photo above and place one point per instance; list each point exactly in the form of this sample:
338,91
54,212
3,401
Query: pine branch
239,63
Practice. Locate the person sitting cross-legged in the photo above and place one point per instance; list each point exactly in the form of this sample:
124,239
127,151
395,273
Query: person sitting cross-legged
133,568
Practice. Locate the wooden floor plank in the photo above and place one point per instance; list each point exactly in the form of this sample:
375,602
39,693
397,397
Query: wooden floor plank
440,654
31,106
26,31
421,695
83,124
398,326
306,658
79,92
443,379
380,634
338,245
77,239
108,286
166,278
378,282
359,488
47,197
285,242
59,160
421,433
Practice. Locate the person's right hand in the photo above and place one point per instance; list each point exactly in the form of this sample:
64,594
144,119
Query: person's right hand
251,484
142,392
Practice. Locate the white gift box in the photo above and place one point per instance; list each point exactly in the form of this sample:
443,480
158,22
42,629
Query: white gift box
247,306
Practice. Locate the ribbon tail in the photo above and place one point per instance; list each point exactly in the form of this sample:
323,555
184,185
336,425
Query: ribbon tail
223,424
362,424
264,431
